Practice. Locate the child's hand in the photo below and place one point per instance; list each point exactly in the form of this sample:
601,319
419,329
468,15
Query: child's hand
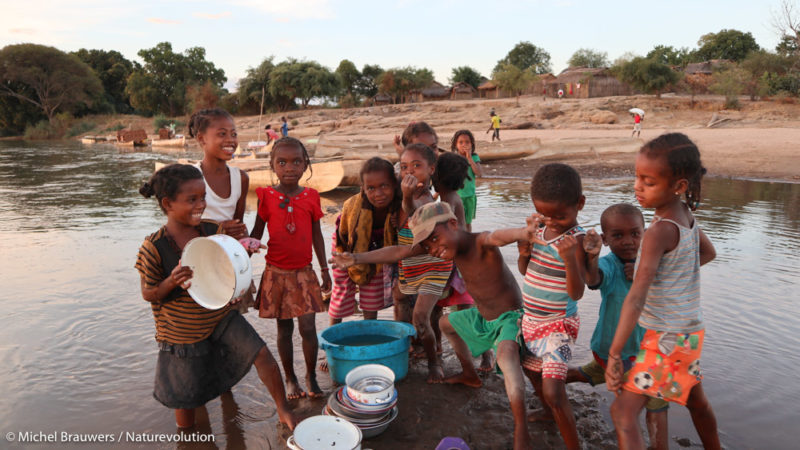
180,276
567,247
525,248
398,144
252,245
534,222
342,260
326,280
628,268
234,228
614,374
411,186
592,243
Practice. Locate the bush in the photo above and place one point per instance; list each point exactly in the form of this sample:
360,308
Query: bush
732,103
294,122
160,121
116,127
42,130
80,128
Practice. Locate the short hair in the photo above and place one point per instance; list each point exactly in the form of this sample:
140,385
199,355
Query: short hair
167,181
426,152
415,129
378,164
201,119
620,209
451,171
557,182
683,159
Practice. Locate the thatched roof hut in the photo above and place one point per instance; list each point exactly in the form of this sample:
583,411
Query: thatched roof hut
705,67
463,91
381,99
585,82
434,91
489,89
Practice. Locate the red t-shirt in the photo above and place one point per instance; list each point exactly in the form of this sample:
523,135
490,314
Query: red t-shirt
637,118
284,249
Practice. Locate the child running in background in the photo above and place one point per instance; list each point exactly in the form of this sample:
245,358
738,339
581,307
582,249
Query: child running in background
289,287
554,280
665,295
623,226
366,224
202,352
463,143
495,322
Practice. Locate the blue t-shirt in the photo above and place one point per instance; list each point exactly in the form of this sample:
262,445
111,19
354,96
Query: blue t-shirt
613,289
285,129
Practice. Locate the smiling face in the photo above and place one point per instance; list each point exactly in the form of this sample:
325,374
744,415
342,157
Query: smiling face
442,242
654,186
219,139
558,216
189,203
288,164
622,233
413,163
378,188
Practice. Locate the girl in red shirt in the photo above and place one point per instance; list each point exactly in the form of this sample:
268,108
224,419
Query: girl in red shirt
289,287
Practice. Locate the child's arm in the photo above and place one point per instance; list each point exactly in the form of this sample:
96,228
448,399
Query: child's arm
591,246
570,249
476,166
179,277
319,248
656,241
707,251
385,255
525,249
258,228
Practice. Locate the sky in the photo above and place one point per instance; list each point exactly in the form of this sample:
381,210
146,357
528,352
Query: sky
435,34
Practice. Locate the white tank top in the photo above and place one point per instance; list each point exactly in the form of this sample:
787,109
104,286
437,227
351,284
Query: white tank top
218,208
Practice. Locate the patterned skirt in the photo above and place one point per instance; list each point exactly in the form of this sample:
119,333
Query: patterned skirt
286,294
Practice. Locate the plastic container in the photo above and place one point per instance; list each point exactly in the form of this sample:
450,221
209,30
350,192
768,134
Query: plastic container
325,433
221,270
344,351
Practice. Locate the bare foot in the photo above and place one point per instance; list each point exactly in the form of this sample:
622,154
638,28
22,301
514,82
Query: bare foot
293,390
314,390
287,417
435,373
323,366
487,362
462,378
418,353
542,415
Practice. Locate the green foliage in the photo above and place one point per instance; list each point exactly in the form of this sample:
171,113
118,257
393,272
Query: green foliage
161,121
667,54
349,77
256,82
466,74
368,84
294,122
788,84
788,46
757,65
16,114
42,130
161,84
513,79
585,57
525,55
115,127
303,80
400,81
731,82
47,78
726,44
647,75
81,127
113,71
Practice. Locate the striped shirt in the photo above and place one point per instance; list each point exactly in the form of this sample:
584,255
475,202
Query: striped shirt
673,301
423,274
179,320
544,294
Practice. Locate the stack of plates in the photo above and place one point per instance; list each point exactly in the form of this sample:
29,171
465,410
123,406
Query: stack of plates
372,419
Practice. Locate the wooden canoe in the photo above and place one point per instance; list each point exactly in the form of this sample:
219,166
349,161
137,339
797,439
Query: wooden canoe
324,176
174,142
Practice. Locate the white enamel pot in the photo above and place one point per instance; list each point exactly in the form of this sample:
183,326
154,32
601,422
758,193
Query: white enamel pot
325,433
221,270
371,384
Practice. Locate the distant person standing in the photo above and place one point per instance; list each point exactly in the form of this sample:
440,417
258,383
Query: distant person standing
637,125
284,127
494,126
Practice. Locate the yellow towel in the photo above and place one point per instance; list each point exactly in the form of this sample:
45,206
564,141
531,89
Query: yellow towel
354,233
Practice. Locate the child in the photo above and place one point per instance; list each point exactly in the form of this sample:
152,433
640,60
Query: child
463,143
665,295
289,287
623,226
202,353
284,127
637,125
495,125
271,134
553,282
494,324
366,223
417,133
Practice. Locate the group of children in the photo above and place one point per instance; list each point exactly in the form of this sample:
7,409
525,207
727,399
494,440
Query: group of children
396,243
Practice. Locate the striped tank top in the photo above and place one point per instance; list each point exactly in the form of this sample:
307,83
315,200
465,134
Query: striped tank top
544,293
423,274
673,301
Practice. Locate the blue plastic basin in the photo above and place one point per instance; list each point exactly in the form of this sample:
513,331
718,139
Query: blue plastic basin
343,356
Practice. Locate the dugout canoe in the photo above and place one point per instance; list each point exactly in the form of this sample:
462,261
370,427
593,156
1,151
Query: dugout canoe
324,176
178,142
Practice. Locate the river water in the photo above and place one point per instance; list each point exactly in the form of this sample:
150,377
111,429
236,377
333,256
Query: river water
76,340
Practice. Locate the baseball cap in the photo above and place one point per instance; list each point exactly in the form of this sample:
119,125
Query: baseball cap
426,217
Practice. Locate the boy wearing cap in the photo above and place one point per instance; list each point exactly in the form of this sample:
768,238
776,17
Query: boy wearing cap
494,324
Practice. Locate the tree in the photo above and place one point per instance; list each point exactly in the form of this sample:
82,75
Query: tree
730,82
786,22
513,79
368,84
400,81
585,57
113,70
726,44
254,84
16,114
349,76
762,62
694,84
466,74
302,80
624,58
647,75
47,78
525,55
160,85
667,54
